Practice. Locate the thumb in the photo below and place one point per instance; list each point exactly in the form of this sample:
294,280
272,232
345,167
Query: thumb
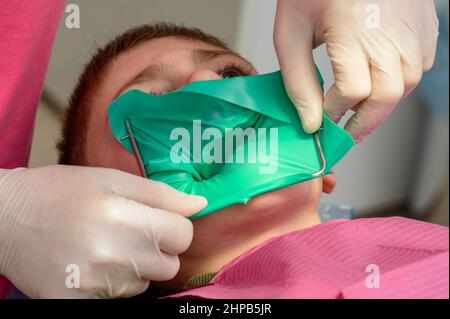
152,193
294,50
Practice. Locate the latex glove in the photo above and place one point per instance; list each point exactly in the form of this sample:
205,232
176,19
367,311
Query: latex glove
374,67
121,230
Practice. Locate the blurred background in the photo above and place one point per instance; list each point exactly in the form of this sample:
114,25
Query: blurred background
400,169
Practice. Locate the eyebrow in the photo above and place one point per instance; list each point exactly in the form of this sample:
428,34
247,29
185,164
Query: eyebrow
202,55
155,71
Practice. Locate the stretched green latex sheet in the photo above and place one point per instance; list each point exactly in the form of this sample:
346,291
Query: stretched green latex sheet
227,140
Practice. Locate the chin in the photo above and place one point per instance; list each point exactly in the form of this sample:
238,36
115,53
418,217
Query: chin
223,235
287,199
292,205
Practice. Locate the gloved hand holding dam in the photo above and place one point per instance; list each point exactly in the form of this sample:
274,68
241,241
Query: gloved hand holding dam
227,140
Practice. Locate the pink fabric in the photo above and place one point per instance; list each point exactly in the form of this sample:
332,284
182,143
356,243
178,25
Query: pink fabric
330,260
27,31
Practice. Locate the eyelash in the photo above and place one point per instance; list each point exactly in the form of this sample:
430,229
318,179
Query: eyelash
240,69
156,92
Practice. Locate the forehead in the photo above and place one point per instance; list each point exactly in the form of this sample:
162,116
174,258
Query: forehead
175,51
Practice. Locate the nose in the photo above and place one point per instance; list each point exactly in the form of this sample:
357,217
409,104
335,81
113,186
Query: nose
202,75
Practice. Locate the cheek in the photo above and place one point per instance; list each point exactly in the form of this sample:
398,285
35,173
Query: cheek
123,160
111,154
288,199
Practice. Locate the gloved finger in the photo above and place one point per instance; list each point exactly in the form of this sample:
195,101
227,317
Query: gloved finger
159,267
412,72
173,232
134,288
387,90
352,79
294,51
429,37
153,193
150,264
119,285
150,229
132,247
119,277
430,55
411,54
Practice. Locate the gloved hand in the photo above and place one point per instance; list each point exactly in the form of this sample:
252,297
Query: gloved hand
374,64
121,230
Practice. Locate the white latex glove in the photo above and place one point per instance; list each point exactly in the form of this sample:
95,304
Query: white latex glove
121,230
374,66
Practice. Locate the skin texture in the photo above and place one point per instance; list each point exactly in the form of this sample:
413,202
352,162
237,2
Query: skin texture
218,237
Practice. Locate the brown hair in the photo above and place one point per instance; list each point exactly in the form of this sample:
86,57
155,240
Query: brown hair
72,142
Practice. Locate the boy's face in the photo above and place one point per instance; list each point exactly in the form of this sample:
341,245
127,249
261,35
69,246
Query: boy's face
166,64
